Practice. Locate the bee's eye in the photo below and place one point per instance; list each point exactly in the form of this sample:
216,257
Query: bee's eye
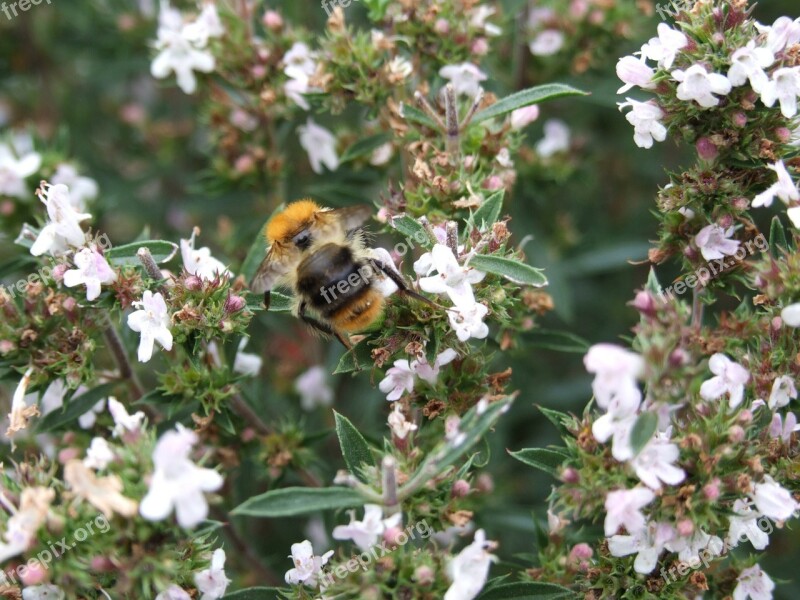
302,240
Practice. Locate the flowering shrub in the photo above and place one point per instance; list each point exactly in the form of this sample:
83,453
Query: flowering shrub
172,434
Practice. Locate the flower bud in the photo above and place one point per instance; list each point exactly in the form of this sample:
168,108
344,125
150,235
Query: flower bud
193,282
272,20
58,272
706,149
736,434
101,564
685,527
244,164
784,134
711,490
33,574
522,117
644,303
234,303
442,26
739,119
570,475
258,72
460,489
424,575
746,416
484,483
67,454
391,536
580,552
493,183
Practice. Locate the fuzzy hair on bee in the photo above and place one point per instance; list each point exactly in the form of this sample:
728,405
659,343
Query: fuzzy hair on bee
323,256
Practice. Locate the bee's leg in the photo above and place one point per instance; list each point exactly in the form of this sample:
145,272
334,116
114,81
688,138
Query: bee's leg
401,283
267,299
322,327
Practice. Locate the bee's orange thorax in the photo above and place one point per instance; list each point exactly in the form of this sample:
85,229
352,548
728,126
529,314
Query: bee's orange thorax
291,220
360,314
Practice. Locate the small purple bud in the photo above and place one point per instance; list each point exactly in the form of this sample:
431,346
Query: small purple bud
706,149
234,303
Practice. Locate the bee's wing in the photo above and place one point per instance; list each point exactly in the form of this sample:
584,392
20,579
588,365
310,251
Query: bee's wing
269,271
351,217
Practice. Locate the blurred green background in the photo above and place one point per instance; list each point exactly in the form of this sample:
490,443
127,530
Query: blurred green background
75,74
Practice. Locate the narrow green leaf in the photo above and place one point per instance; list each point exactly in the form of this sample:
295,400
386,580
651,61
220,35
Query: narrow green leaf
534,95
556,417
364,147
511,269
125,255
413,229
415,115
256,593
653,286
528,590
488,212
777,237
561,341
354,447
354,359
549,461
277,302
256,254
292,501
74,408
643,430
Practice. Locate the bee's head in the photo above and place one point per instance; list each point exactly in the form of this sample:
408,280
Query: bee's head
292,225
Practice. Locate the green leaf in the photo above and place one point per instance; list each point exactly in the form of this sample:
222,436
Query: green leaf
292,501
528,590
643,430
489,211
413,229
556,417
415,115
534,95
653,286
354,359
277,302
777,237
364,147
377,9
549,461
256,593
511,269
354,447
256,254
76,407
125,255
561,341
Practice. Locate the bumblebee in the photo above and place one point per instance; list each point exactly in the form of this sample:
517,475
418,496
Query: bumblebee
321,253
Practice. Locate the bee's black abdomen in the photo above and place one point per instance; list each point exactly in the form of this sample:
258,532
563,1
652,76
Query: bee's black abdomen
330,278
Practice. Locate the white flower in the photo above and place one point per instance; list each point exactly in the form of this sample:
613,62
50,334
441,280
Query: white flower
783,32
465,77
209,20
522,117
53,399
699,85
654,463
784,188
81,188
20,413
469,569
478,20
151,321
714,243
398,424
99,454
753,583
429,373
783,87
63,229
616,371
382,154
547,42
299,62
646,120
791,315
503,158
124,423
307,567
794,216
744,526
181,49
246,363
23,525
647,544
665,47
689,548
624,508
399,380
365,533
212,582
617,423
174,592
730,378
177,483
199,261
451,278
784,431
783,391
556,138
452,431
92,271
295,90
634,72
14,171
774,501
467,321
320,144
313,388
748,63
43,592
399,68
